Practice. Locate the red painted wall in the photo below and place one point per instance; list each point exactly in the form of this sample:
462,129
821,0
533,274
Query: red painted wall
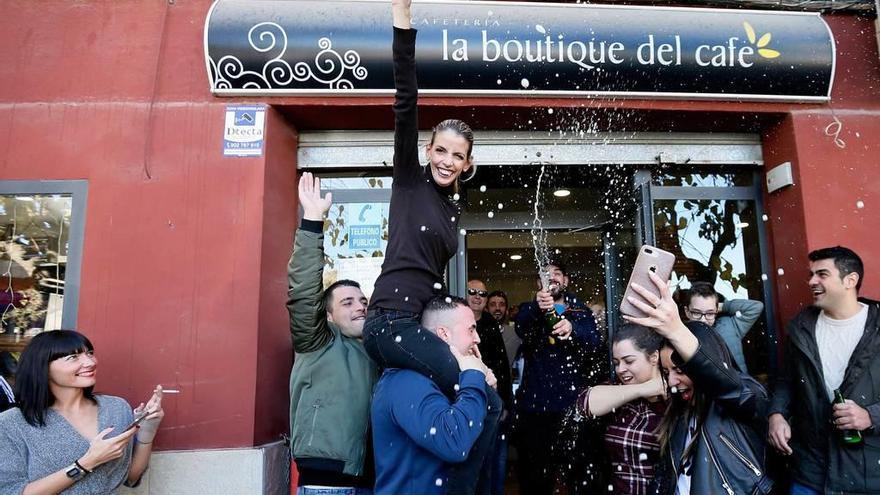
183,276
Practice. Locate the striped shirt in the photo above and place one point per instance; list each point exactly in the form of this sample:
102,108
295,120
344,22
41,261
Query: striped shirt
632,445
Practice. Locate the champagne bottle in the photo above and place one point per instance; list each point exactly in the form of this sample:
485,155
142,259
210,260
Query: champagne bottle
849,437
552,316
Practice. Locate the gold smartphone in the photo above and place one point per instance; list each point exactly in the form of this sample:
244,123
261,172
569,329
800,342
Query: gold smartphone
650,259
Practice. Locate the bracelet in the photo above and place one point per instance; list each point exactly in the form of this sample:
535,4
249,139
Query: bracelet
77,464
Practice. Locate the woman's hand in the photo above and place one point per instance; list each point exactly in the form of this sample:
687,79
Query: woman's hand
662,312
103,449
313,205
656,386
149,427
400,12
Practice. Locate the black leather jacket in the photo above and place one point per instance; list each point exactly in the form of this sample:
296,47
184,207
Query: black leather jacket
728,457
820,460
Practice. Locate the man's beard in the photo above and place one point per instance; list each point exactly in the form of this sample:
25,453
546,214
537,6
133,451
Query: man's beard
557,290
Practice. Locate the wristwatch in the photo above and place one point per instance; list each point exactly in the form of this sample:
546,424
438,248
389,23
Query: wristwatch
74,472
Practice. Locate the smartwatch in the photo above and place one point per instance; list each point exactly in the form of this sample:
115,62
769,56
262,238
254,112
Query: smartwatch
74,472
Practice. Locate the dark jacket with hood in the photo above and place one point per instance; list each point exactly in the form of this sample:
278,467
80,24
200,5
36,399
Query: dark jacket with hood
820,460
728,453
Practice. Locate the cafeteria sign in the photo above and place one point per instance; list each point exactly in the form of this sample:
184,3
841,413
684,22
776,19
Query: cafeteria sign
343,47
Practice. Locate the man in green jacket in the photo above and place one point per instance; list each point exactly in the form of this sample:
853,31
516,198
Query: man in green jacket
332,376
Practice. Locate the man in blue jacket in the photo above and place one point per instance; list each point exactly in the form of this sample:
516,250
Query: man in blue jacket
417,430
560,362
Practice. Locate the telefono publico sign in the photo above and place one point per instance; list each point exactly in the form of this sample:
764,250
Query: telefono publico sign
481,48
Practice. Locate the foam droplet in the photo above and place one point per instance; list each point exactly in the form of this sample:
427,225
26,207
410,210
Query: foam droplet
490,214
860,204
673,389
524,83
550,111
438,482
539,28
423,228
483,188
432,431
438,285
764,277
398,339
456,196
643,457
500,206
780,271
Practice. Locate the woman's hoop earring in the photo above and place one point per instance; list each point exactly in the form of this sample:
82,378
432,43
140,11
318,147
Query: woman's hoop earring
473,173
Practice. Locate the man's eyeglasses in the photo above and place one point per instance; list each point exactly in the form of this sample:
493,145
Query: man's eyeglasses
699,315
474,292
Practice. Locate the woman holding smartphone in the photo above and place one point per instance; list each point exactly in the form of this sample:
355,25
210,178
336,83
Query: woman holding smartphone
63,437
712,437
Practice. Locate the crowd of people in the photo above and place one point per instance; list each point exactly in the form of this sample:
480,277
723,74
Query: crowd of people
417,391
464,381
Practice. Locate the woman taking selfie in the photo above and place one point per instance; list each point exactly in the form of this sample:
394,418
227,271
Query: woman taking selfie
630,413
63,437
712,435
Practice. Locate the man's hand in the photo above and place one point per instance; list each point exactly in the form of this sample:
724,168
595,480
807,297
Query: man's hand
490,379
779,433
562,329
313,205
851,416
544,299
468,361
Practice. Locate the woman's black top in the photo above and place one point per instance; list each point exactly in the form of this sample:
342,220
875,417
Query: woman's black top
423,217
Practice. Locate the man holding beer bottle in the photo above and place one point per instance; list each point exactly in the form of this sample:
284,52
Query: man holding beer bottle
826,404
563,354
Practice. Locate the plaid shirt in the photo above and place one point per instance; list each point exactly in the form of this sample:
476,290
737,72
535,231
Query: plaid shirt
632,445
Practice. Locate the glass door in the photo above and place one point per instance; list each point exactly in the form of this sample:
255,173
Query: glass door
712,220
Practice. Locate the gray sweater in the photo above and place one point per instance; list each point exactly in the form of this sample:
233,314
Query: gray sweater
29,453
733,323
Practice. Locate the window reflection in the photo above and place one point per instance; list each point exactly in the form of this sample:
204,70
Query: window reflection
717,241
713,179
34,231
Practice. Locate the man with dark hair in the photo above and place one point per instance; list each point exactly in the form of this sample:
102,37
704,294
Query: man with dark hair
419,431
332,377
560,362
731,319
832,346
495,356
499,307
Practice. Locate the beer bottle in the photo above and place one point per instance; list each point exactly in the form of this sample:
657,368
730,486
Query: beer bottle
552,316
849,437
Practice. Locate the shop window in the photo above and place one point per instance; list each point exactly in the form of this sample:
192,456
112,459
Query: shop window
40,244
704,179
717,241
356,229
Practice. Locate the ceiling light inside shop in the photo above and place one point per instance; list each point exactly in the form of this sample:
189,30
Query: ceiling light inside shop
516,257
742,225
561,193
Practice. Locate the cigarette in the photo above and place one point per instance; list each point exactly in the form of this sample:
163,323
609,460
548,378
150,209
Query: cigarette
170,391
